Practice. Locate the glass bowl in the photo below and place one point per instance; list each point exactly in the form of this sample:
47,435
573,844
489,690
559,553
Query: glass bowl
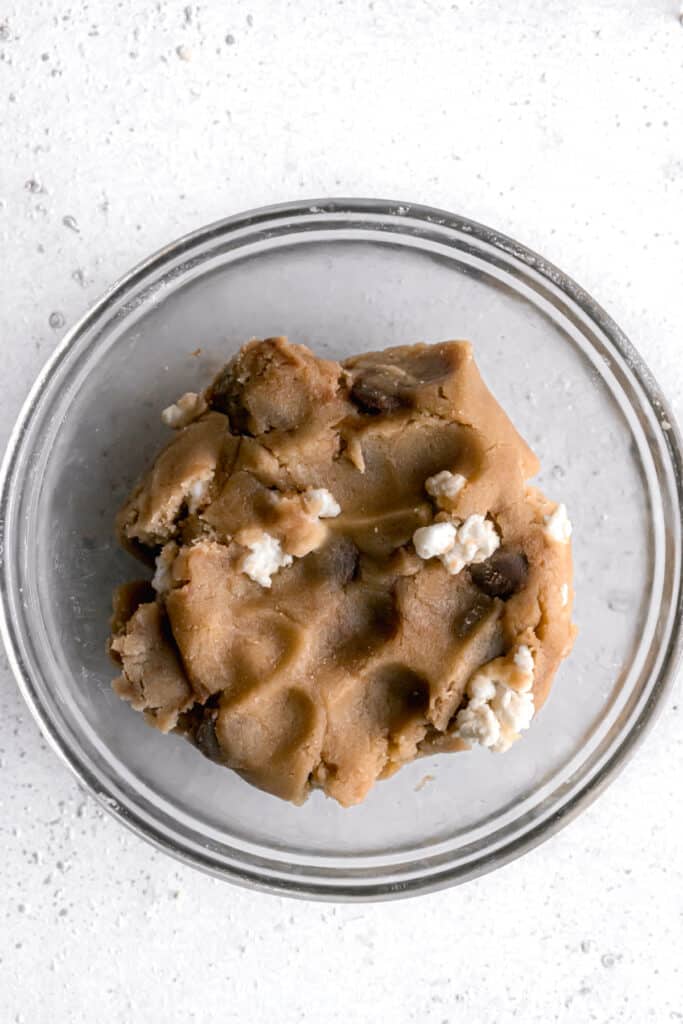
344,276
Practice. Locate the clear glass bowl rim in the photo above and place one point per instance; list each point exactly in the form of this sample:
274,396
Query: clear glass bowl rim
255,875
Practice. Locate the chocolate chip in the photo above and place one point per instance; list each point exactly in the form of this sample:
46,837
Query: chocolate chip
381,615
205,736
473,616
338,560
411,692
385,387
225,395
398,694
502,575
127,599
377,392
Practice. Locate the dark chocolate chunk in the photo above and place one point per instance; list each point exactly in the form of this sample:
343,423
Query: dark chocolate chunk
379,390
339,559
502,575
398,694
225,395
473,616
205,736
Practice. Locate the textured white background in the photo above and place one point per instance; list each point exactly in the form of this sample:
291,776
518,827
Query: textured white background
559,123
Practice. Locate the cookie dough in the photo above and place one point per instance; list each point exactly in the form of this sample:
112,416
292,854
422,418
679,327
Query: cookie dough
350,569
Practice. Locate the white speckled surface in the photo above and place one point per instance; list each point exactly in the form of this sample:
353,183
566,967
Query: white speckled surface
124,124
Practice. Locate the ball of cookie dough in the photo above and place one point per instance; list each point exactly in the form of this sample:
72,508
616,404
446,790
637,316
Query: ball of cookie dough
351,570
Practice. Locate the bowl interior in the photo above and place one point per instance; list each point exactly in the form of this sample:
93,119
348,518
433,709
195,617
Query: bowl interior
340,288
